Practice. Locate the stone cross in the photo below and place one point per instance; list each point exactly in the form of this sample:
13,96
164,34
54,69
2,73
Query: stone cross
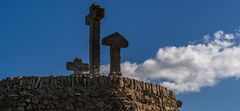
93,20
116,42
77,66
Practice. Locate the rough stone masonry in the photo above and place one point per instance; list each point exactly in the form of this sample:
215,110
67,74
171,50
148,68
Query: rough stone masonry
84,93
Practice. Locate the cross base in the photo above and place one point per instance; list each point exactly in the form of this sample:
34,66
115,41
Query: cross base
96,75
76,75
81,75
115,74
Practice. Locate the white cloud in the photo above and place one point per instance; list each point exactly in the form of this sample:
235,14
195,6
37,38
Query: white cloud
189,68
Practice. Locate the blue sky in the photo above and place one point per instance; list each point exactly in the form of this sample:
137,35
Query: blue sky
39,37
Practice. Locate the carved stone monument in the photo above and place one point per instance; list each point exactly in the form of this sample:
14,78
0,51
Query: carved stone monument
77,66
93,20
115,41
87,92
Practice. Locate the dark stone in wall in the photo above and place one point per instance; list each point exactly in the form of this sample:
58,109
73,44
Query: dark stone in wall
83,93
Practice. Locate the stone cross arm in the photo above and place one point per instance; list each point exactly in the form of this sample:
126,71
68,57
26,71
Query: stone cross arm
115,40
96,13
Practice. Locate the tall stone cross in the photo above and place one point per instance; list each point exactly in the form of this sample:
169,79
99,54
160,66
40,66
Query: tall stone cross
93,20
77,66
116,42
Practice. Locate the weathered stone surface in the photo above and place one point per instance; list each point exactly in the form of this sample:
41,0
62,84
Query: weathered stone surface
116,42
86,93
77,66
93,20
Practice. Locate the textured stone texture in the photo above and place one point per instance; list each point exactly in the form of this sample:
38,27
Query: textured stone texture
83,93
77,66
93,19
115,41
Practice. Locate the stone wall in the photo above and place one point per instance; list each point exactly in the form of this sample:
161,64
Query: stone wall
83,93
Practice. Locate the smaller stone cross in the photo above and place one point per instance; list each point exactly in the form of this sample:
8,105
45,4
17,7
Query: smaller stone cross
116,42
77,66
